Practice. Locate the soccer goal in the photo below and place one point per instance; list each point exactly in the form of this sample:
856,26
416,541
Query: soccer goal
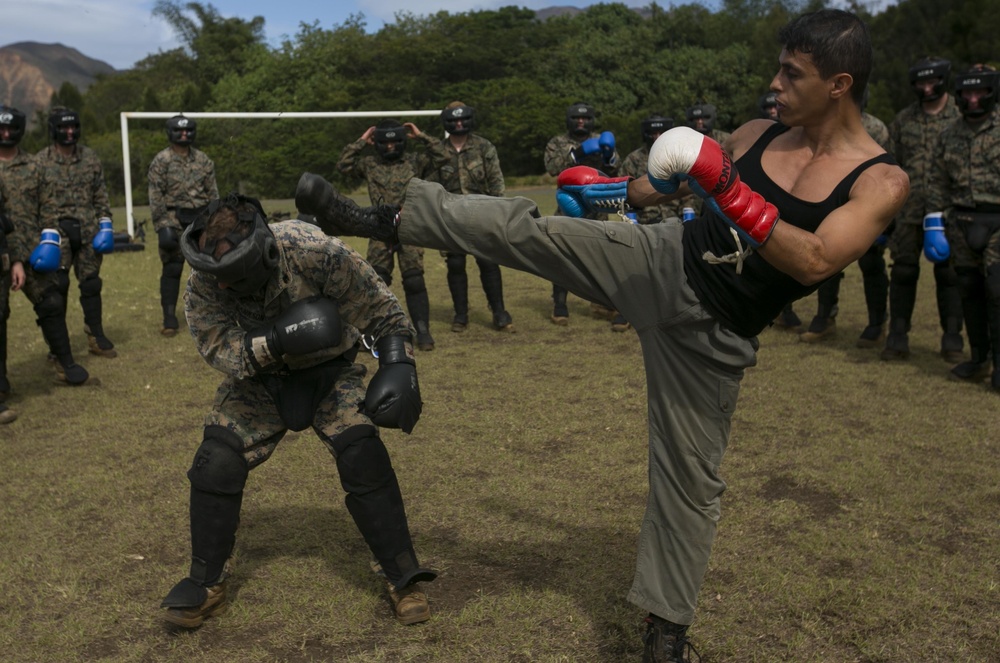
140,115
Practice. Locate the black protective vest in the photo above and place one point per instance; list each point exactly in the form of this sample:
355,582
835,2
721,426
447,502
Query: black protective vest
748,302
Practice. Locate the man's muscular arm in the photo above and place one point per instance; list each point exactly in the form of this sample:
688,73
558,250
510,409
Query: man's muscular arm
845,234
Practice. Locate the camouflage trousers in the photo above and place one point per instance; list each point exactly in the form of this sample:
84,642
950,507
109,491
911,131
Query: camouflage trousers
380,256
962,255
85,261
5,281
247,408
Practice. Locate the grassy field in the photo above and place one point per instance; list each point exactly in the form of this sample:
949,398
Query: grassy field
860,522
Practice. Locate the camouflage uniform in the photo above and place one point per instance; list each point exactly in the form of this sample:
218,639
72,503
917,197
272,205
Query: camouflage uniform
558,157
914,136
873,273
635,165
965,185
6,239
387,180
473,170
311,263
386,184
325,390
180,186
73,192
22,179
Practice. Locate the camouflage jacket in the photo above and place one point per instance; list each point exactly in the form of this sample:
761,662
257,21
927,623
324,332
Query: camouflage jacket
387,180
178,180
310,263
914,137
476,169
966,168
72,187
22,181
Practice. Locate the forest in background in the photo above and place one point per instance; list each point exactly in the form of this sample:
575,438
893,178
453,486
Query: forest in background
519,74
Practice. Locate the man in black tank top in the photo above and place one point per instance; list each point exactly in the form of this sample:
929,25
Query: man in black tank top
802,202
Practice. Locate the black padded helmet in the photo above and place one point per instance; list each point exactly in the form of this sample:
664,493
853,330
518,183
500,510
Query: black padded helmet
16,121
654,125
929,68
584,110
390,139
179,124
61,119
451,116
704,112
979,76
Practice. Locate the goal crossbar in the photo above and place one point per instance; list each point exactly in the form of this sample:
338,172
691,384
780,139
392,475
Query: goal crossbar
125,116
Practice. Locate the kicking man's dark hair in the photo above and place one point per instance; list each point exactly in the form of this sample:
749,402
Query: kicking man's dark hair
838,42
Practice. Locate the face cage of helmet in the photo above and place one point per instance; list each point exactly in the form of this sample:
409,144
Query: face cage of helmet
67,133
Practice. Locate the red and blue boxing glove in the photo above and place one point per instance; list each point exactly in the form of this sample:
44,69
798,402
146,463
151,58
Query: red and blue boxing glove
582,190
683,154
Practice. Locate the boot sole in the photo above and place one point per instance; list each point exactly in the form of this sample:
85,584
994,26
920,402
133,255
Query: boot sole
177,617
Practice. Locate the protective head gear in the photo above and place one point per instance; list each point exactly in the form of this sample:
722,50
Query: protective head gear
253,257
654,125
978,77
15,121
580,109
703,112
766,105
179,124
60,121
451,116
390,139
927,69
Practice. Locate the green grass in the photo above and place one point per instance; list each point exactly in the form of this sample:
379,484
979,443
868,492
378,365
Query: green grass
860,522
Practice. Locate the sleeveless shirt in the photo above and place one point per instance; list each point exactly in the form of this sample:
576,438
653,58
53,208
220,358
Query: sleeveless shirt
748,302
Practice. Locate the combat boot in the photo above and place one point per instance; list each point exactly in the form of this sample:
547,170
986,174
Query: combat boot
338,215
170,322
788,320
974,370
602,312
409,604
460,323
820,328
189,604
871,337
620,324
503,322
666,642
6,414
425,341
560,311
897,343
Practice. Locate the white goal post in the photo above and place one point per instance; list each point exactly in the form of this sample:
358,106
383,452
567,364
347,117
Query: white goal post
127,166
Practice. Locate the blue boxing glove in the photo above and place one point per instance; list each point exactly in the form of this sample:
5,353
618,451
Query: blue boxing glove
46,256
584,190
607,145
587,148
104,240
936,246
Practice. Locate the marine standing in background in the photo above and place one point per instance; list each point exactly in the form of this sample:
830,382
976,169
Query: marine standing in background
473,167
181,184
74,200
915,131
634,165
964,198
387,173
40,256
11,279
581,145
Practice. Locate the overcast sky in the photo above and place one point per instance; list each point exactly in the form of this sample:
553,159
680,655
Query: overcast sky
122,32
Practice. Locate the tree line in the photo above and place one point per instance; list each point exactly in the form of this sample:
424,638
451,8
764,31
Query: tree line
519,74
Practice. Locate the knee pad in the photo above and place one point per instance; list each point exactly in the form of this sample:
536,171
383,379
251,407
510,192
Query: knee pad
173,268
383,274
906,273
413,281
362,460
455,262
219,466
90,286
872,262
50,304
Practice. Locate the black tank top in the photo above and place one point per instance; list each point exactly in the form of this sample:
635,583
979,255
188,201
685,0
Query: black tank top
748,302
